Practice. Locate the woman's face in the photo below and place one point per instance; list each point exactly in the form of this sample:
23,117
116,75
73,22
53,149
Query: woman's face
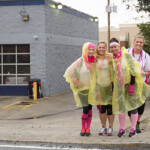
101,49
115,49
138,44
91,51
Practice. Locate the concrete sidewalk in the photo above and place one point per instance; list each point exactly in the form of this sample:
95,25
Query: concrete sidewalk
56,119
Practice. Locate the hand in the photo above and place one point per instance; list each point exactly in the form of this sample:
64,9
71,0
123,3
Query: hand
131,89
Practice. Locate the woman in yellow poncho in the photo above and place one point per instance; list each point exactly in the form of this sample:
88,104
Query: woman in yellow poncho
104,88
80,75
129,90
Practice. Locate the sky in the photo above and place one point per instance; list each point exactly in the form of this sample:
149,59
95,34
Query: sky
97,8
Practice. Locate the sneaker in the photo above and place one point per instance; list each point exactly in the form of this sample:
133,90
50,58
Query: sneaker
138,130
103,131
132,132
110,131
121,133
83,132
88,132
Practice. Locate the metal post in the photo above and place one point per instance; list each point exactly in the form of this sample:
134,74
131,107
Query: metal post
108,27
35,90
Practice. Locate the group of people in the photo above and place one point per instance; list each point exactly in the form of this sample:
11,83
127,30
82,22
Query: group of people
114,82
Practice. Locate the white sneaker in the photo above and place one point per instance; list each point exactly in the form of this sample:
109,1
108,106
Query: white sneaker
109,131
103,131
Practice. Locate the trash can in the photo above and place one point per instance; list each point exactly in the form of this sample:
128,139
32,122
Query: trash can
30,88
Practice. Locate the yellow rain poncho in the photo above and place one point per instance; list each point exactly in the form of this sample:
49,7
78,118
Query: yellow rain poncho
123,68
80,75
104,79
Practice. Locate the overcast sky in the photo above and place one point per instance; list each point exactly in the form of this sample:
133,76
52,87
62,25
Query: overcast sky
97,8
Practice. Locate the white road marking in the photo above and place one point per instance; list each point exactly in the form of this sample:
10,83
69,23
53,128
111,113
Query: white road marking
37,147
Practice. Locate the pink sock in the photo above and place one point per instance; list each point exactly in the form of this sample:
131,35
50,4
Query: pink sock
89,119
122,118
134,118
84,120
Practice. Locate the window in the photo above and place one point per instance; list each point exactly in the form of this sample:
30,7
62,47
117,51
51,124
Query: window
14,64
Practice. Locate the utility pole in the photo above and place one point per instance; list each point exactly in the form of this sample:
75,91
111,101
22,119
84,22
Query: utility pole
108,26
109,9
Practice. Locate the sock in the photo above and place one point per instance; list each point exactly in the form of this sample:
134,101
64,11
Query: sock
134,118
122,118
84,120
89,119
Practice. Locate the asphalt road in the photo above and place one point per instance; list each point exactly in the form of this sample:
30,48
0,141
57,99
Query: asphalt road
54,146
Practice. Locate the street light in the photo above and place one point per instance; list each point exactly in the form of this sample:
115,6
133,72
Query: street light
59,6
110,9
95,19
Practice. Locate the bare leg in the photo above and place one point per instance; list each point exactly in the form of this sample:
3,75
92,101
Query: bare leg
111,120
139,118
103,118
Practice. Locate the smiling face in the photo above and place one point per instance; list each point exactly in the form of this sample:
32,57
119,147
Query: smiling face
115,49
101,49
91,51
138,44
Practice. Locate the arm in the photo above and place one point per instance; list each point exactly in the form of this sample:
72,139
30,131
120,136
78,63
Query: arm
146,71
72,73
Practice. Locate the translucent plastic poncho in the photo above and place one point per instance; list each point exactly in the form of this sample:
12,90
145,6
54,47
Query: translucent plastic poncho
81,74
104,79
123,68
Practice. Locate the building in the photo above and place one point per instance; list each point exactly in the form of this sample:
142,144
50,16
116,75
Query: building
120,33
37,40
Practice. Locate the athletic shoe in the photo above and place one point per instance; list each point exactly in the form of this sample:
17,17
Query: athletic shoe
88,132
138,130
110,131
121,133
103,131
132,132
83,132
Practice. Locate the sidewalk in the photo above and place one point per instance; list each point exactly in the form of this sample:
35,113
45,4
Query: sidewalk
56,119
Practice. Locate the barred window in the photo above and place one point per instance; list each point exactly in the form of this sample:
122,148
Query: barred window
14,64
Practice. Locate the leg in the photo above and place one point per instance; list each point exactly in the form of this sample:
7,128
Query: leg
129,114
103,118
122,118
140,113
134,117
110,120
89,119
84,120
110,115
102,115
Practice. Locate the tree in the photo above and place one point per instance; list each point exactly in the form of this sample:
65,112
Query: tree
127,40
145,31
142,6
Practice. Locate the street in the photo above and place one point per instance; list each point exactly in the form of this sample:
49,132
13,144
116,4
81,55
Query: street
39,146
57,146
